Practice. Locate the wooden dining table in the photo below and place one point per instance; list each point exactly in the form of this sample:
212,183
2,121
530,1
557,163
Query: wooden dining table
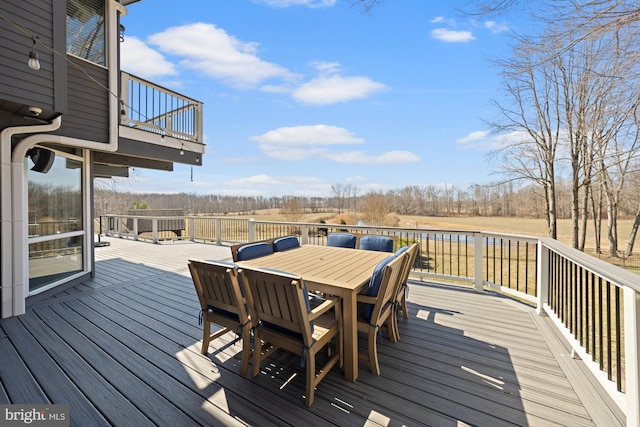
335,271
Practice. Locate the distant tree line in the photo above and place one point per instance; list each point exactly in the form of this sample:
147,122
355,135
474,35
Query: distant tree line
499,199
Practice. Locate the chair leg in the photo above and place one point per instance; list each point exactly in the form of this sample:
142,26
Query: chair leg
310,362
246,349
257,355
206,336
394,333
373,352
405,312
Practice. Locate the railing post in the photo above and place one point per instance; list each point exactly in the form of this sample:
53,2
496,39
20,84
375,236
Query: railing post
478,281
542,276
124,96
154,229
304,235
632,355
119,226
252,229
135,228
192,229
218,223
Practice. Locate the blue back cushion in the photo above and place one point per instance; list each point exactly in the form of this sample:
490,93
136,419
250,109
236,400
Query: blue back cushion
374,284
284,243
254,250
402,250
377,243
342,240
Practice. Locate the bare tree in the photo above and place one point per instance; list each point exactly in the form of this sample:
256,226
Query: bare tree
531,121
374,207
340,193
292,209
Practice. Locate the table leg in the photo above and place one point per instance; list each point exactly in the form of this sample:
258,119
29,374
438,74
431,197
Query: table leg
350,325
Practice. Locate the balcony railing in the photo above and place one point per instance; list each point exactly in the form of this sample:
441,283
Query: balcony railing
594,304
152,108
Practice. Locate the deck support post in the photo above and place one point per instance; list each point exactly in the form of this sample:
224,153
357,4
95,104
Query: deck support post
478,281
251,223
154,229
218,231
542,276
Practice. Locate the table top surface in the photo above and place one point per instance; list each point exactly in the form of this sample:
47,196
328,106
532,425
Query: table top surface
342,268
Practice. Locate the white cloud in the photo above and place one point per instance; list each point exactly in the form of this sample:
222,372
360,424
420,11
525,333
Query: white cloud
495,28
478,135
139,59
442,20
482,140
452,36
307,135
334,89
303,142
211,51
327,68
270,185
309,3
360,157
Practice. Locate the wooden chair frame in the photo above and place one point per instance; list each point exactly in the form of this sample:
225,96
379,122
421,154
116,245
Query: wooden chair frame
400,299
278,304
383,304
222,303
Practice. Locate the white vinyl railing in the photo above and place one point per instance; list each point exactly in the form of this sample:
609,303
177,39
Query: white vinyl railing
594,304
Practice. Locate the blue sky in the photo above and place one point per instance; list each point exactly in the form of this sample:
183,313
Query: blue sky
302,94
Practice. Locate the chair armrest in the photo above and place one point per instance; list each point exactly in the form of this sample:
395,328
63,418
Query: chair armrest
323,308
366,299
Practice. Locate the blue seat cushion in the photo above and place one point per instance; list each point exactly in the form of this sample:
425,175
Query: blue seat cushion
224,313
254,250
284,243
377,243
374,284
342,240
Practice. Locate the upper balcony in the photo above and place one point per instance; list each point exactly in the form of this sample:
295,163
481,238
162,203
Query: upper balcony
155,114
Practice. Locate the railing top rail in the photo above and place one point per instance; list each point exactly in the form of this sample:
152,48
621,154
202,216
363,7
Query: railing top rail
616,275
163,89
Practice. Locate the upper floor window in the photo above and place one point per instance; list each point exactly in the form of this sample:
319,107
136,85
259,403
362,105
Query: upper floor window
85,29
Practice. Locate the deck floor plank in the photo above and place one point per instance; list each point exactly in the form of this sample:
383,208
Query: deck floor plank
123,348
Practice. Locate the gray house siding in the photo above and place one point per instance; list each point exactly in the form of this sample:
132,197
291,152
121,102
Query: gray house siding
88,102
18,82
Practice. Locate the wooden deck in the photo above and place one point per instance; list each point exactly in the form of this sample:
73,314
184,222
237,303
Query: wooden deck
123,349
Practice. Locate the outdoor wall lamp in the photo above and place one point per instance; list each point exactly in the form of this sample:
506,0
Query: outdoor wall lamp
34,60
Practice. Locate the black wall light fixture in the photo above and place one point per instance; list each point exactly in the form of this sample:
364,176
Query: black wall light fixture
42,159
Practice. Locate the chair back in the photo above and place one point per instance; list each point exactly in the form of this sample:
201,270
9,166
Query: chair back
254,250
342,240
383,284
218,289
412,253
284,243
377,243
280,301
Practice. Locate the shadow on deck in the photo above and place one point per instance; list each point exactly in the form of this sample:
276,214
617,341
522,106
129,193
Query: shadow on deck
123,349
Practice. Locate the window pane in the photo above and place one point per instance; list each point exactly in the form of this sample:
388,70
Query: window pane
85,29
55,198
54,260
